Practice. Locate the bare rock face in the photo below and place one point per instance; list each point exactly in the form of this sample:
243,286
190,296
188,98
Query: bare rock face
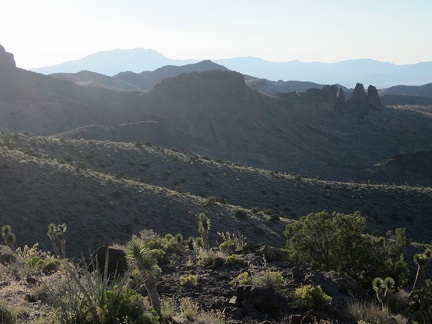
373,98
359,95
7,62
340,96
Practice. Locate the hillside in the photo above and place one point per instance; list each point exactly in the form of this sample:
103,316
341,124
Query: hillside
106,191
214,113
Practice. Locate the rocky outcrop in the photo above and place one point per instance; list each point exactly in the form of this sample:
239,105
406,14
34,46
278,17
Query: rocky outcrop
373,98
7,62
361,99
359,95
341,96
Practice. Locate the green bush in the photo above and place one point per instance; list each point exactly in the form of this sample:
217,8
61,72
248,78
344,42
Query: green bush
338,242
421,301
123,305
38,261
234,259
228,247
269,279
311,298
189,280
244,279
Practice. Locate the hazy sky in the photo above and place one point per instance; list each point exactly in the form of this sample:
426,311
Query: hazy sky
47,32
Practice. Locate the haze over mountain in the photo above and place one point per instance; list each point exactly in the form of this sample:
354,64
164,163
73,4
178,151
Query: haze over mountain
347,73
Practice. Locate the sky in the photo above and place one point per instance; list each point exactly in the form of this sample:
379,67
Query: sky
47,32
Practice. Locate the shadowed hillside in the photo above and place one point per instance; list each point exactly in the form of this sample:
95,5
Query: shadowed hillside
214,113
106,191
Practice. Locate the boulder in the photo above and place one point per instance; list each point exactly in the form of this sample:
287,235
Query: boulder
116,264
373,98
261,299
359,95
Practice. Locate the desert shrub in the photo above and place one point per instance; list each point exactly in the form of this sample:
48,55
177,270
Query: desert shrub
124,304
274,218
236,237
167,245
242,279
167,309
234,259
338,242
212,317
205,257
240,214
179,238
228,247
213,199
421,301
366,312
37,261
269,279
158,254
7,315
311,298
188,309
189,280
190,243
7,256
8,237
96,298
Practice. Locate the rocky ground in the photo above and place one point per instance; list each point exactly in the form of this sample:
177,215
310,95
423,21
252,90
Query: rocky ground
216,290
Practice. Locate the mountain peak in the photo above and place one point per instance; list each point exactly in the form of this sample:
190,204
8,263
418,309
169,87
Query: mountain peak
7,61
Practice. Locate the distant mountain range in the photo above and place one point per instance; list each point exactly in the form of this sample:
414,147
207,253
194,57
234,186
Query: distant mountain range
347,73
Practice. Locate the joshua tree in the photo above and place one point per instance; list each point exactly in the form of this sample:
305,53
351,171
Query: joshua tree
61,229
138,254
8,237
204,228
422,260
56,233
382,287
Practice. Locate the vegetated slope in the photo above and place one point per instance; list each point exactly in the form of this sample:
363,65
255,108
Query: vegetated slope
412,169
106,191
144,132
101,208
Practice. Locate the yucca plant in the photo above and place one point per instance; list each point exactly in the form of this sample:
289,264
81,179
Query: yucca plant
95,297
422,260
382,287
138,255
204,228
